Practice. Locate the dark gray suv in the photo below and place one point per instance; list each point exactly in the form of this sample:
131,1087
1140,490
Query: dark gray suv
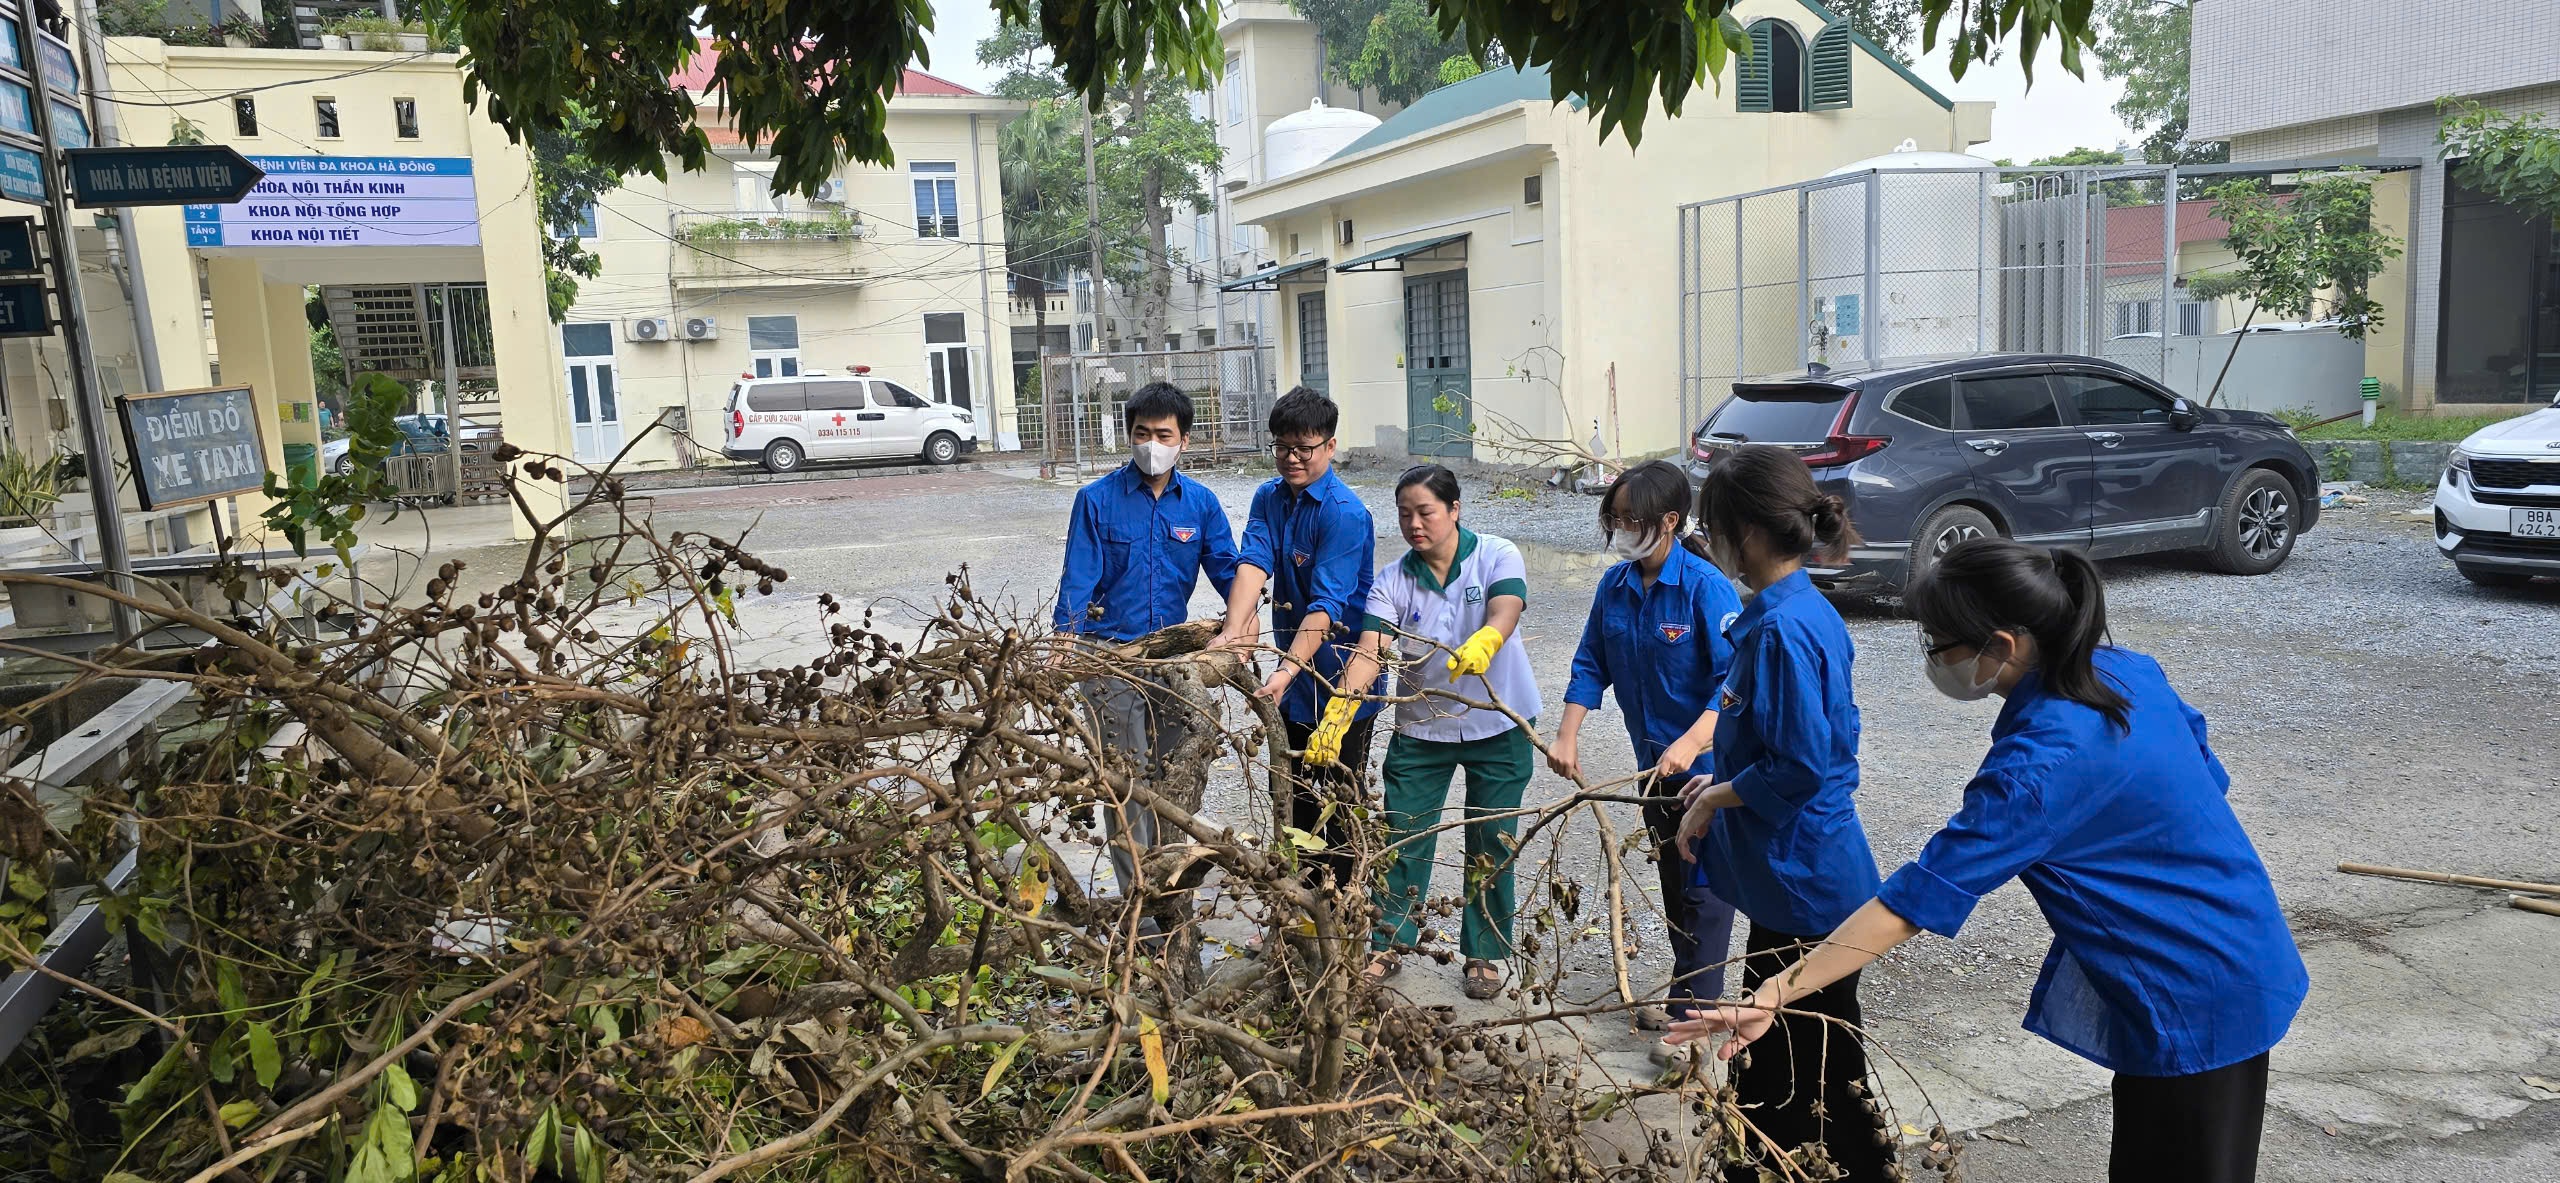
2052,449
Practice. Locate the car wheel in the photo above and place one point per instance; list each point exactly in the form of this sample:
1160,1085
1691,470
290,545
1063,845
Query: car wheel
783,456
2488,578
2255,533
1944,529
943,448
342,465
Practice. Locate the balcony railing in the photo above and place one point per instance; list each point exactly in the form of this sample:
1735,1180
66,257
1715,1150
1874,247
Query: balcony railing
780,248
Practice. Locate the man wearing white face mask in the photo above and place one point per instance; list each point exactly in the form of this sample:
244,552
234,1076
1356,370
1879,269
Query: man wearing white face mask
1138,541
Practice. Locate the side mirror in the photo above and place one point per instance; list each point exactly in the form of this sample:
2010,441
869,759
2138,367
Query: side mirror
2183,415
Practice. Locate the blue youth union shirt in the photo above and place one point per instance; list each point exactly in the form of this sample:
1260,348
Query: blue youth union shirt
1133,558
1320,547
2170,954
1794,856
1662,649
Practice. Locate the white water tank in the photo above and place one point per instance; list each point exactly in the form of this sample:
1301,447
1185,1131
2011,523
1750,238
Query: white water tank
1938,233
1302,140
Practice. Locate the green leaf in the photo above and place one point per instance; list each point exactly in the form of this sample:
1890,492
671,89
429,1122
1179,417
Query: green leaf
221,1060
26,884
1302,839
608,1027
590,1157
398,1089
1466,1134
239,1114
142,1089
263,1055
226,986
541,1146
1003,1060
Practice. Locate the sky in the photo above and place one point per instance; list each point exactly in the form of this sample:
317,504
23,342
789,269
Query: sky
2065,112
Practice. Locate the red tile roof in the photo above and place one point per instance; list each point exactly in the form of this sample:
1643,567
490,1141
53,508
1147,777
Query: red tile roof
2133,231
696,77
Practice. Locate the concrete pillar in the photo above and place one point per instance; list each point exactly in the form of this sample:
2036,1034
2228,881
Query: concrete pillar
533,402
167,269
243,335
289,344
2386,350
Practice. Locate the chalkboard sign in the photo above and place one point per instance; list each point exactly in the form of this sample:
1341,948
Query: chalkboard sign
193,445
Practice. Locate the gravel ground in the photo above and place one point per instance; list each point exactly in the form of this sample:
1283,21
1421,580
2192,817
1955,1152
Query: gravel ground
2371,705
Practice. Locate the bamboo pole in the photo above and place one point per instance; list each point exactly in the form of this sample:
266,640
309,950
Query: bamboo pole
2530,904
2552,889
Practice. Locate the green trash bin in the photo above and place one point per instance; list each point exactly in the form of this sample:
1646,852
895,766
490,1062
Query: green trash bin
302,465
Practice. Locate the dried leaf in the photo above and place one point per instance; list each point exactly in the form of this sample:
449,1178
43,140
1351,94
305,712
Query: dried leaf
2544,1083
683,1031
1159,1074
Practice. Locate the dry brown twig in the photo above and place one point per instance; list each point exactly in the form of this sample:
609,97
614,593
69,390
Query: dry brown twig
797,920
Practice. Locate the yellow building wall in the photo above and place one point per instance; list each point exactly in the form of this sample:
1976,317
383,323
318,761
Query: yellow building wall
1621,217
285,85
877,321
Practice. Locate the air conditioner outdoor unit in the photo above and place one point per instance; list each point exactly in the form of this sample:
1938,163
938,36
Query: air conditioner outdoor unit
648,328
1191,275
829,193
701,328
1233,266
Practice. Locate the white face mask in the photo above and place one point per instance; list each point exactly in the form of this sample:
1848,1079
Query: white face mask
1156,459
1726,559
1629,544
1963,683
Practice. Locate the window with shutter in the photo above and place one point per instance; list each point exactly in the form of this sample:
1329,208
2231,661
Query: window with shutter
1772,78
1751,75
1828,86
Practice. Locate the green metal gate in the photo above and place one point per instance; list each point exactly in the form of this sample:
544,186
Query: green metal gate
1439,410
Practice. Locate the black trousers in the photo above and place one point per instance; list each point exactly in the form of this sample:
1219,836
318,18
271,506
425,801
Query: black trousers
1701,925
1341,784
1797,1084
2194,1129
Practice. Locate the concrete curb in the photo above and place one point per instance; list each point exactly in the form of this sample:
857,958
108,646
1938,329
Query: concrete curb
666,480
2379,462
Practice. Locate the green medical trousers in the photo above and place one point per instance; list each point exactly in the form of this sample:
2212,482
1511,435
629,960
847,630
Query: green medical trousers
1416,776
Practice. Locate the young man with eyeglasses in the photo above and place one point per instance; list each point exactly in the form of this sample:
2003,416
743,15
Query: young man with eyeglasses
1311,541
1138,541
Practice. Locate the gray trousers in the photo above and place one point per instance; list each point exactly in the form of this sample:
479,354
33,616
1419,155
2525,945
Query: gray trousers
1138,717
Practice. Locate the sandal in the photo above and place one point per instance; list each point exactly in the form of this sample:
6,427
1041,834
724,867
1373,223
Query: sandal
1486,986
1383,964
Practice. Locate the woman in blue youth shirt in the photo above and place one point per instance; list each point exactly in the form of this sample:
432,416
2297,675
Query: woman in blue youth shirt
2171,962
1775,825
1656,636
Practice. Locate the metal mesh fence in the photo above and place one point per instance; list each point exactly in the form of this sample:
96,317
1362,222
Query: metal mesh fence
1894,265
1077,420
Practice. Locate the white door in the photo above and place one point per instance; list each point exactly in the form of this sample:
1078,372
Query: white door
836,419
901,420
949,365
595,414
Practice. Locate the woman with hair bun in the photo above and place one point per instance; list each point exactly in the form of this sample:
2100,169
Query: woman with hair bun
1774,823
2171,965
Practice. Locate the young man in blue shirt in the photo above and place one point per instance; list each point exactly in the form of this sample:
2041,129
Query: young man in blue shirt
1138,541
1311,541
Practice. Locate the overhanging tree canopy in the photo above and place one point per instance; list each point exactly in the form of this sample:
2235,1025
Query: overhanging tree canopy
813,78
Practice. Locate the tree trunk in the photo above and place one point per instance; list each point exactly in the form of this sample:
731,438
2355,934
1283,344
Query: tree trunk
1155,280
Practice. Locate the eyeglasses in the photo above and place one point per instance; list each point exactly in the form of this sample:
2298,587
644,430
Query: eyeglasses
1297,451
1929,650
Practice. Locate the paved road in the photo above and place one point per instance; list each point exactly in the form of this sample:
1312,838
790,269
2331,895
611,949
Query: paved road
2370,705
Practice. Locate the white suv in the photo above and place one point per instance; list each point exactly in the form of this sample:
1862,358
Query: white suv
815,415
2498,506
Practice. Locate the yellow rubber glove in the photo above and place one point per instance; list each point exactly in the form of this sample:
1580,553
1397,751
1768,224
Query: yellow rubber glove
1476,656
1324,745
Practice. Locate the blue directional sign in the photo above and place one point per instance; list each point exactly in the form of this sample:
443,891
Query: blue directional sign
21,175
61,67
17,108
18,246
23,310
178,174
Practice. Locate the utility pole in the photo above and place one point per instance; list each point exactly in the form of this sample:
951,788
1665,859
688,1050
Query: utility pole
65,263
1093,266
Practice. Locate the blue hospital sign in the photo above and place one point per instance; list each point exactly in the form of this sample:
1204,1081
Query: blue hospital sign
346,201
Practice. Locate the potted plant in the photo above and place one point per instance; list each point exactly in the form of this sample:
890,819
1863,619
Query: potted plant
376,33
29,488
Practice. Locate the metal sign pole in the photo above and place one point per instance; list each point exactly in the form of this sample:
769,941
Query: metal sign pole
65,265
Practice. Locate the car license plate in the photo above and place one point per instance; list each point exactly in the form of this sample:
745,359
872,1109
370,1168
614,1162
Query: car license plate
2534,523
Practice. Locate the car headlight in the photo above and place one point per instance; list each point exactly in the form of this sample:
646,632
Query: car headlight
2460,462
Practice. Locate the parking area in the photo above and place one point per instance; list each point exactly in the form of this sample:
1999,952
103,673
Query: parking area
2371,705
